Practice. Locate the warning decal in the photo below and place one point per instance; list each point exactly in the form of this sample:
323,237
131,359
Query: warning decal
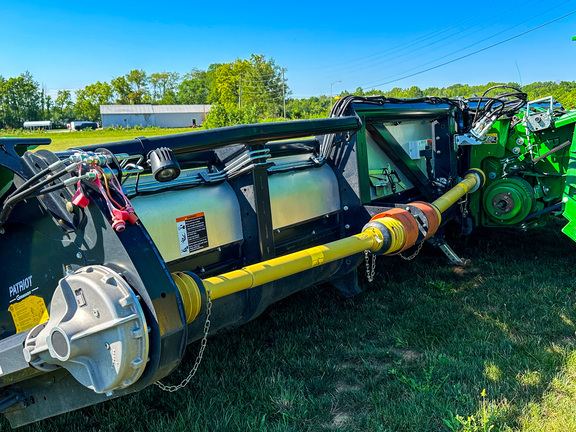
192,234
28,313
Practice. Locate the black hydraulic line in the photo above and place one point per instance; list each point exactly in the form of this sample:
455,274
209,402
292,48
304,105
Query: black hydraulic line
212,139
290,148
541,157
16,198
552,151
534,215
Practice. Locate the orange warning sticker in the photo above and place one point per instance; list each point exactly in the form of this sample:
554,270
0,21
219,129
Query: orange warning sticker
29,313
192,233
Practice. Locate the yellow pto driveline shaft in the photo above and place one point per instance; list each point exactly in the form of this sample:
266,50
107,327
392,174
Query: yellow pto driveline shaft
450,198
287,265
372,239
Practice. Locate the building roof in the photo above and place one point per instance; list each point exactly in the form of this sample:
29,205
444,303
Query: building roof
153,109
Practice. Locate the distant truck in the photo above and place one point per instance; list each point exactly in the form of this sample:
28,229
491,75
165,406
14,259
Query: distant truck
81,125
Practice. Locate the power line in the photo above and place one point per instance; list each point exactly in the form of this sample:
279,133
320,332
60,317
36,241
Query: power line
478,42
475,16
476,52
397,52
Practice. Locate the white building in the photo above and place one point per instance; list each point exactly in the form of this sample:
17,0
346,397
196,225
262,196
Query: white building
169,116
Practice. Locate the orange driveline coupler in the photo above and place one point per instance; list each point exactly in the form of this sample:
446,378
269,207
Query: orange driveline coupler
410,226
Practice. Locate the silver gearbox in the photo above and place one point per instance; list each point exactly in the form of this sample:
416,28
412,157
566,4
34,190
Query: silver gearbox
97,331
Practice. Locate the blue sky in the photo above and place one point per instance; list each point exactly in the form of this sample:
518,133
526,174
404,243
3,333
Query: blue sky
68,45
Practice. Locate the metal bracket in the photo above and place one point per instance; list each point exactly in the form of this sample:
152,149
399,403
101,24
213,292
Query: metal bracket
466,140
347,284
450,254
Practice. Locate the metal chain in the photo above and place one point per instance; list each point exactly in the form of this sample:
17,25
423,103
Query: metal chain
370,268
414,255
185,381
463,206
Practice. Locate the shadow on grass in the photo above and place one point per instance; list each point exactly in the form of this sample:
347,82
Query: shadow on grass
414,352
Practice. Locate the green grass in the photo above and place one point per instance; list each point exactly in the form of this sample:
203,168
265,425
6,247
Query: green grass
416,351
62,140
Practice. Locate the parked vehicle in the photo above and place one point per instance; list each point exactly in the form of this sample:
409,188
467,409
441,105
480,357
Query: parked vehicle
81,125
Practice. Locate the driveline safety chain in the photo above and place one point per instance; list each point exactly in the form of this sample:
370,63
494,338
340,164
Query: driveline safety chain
414,255
370,268
185,381
463,206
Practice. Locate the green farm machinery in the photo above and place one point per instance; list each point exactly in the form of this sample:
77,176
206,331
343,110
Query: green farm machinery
115,257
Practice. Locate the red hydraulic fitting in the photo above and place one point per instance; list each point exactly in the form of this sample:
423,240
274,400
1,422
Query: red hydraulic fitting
132,217
118,218
118,225
79,199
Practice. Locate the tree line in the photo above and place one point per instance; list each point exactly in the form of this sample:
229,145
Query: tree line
244,91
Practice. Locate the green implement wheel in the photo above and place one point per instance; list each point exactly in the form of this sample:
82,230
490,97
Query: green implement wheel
509,201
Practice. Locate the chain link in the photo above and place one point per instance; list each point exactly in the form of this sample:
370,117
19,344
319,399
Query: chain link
370,268
414,255
463,206
185,381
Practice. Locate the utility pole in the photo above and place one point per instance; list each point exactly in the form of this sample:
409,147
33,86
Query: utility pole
331,93
284,92
240,93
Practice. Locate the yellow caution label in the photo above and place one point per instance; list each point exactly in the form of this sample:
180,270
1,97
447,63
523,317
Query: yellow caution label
29,313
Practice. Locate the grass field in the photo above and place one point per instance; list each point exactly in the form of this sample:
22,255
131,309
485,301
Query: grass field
425,347
62,140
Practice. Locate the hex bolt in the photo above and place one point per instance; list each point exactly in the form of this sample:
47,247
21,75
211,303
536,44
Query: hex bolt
492,175
347,226
79,255
345,208
438,152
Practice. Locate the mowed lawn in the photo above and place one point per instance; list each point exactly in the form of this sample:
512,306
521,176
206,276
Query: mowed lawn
62,140
425,347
